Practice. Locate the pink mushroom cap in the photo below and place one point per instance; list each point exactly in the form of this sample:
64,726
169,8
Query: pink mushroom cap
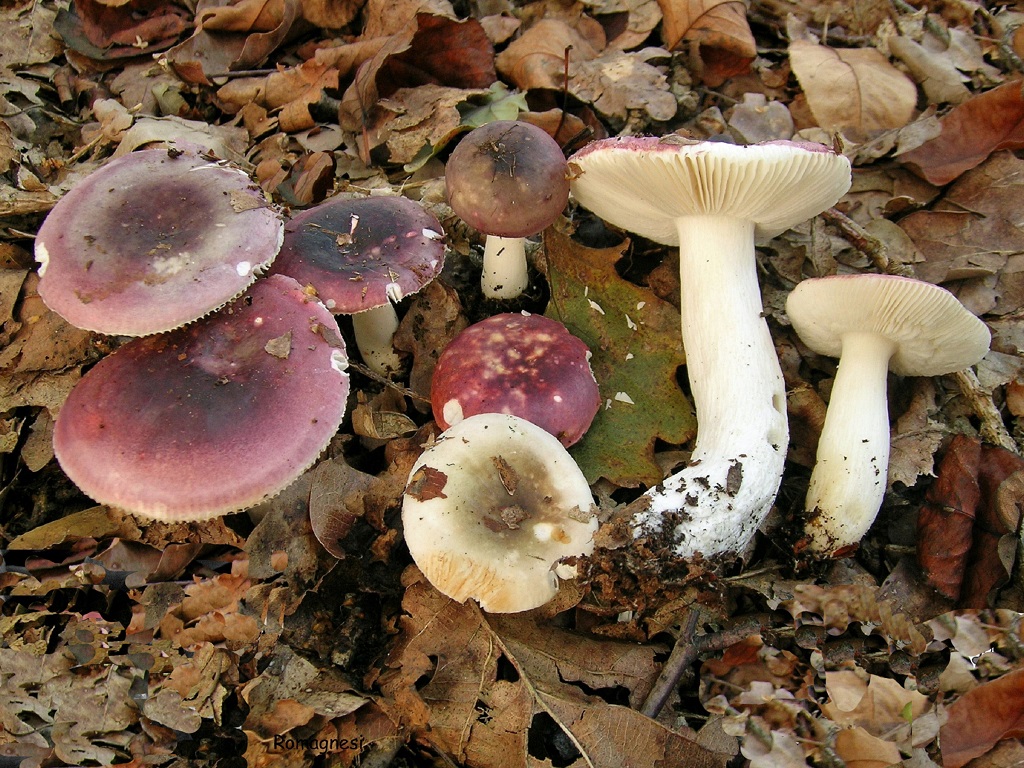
154,240
361,253
523,365
211,418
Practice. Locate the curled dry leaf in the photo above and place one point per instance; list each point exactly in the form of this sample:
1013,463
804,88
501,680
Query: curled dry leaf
431,49
241,39
972,131
110,31
716,29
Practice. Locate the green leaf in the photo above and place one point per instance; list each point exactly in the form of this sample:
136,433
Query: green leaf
635,341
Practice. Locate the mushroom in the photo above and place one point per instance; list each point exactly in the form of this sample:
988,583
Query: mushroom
523,364
873,324
508,180
153,240
363,255
714,200
492,508
211,418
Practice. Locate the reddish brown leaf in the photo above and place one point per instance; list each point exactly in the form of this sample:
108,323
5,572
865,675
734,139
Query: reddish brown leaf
995,542
982,717
137,28
430,50
945,523
971,132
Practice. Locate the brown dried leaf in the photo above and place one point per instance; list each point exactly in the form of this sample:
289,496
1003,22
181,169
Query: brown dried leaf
916,437
717,29
945,523
537,58
110,31
332,14
972,131
853,91
973,231
982,717
242,38
480,717
881,706
431,49
1001,481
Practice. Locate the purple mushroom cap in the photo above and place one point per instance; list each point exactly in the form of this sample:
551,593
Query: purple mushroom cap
507,178
154,240
211,418
361,253
524,365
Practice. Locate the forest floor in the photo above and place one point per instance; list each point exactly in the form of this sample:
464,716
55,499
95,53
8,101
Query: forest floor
245,640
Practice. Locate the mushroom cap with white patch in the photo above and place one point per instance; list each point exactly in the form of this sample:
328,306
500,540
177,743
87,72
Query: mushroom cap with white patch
360,253
643,184
492,508
528,365
153,240
933,332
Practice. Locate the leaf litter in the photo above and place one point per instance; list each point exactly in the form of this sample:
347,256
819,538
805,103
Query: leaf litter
300,634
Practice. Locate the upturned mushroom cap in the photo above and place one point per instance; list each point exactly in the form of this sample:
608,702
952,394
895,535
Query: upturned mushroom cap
211,418
153,240
491,509
526,365
507,178
643,184
360,253
933,332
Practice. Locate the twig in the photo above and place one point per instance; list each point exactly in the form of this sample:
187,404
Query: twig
866,243
684,653
992,428
688,647
371,374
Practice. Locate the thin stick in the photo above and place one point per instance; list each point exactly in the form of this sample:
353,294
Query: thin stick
866,243
684,653
992,428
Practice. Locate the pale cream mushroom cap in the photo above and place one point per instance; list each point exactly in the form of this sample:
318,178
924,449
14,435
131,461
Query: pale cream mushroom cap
933,332
492,508
643,184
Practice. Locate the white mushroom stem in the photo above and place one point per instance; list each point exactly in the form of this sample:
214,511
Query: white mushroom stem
849,478
375,331
505,274
730,483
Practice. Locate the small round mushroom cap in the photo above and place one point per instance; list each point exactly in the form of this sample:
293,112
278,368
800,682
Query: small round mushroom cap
643,184
154,240
526,365
507,178
211,418
933,332
360,253
492,508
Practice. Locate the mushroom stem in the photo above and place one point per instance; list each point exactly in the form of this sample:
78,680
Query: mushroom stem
504,275
739,394
374,331
849,478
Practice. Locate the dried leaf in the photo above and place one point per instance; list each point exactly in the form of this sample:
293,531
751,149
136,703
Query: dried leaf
853,91
972,131
945,524
982,717
717,28
634,339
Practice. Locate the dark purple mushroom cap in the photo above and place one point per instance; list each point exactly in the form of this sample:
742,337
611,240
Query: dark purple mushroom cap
153,240
360,253
524,365
507,178
211,418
